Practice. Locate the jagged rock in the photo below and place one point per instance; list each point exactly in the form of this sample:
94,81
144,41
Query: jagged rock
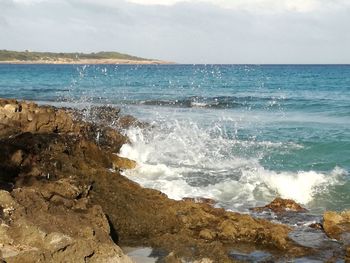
16,117
36,229
279,205
337,225
64,182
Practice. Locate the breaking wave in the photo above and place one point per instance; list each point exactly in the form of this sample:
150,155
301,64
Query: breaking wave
182,159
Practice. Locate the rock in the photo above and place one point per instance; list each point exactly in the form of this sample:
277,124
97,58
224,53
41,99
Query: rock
105,115
200,200
63,187
34,232
69,204
11,108
127,121
172,258
17,158
204,260
29,117
279,205
122,163
207,234
337,225
347,256
316,226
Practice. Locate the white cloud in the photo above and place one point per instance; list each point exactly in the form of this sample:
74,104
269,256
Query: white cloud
196,31
29,2
254,5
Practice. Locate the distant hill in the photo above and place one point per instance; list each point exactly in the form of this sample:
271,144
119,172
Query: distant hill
50,57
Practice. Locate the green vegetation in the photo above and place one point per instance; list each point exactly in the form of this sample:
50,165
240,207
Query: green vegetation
6,55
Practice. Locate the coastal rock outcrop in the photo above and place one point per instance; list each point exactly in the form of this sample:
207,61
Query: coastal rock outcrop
279,205
59,176
52,222
19,117
337,225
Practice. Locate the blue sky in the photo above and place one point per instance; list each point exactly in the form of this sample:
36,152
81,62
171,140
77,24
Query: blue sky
207,31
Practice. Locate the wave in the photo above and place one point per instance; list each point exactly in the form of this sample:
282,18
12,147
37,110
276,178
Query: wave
197,102
184,160
231,102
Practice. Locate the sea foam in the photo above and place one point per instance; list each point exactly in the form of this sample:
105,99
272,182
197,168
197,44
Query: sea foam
182,159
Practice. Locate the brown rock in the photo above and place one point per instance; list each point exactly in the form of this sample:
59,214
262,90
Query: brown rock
207,234
17,157
227,230
73,185
103,115
58,234
203,200
337,225
172,258
316,226
123,163
347,256
204,260
127,121
279,205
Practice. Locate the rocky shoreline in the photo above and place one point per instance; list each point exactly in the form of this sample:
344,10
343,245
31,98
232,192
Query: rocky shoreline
63,199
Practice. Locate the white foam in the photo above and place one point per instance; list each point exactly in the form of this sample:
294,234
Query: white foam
198,104
184,160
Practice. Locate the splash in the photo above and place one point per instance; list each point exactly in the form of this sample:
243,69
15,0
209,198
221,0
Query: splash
182,159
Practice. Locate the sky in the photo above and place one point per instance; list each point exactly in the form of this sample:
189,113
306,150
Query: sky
197,31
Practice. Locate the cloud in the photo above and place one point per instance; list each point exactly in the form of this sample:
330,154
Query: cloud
207,31
254,5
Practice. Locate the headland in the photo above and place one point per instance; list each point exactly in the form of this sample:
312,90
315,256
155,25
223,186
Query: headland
30,57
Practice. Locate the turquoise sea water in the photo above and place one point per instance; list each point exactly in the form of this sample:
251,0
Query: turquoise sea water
241,134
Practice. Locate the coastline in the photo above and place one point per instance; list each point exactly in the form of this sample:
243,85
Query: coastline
89,61
52,164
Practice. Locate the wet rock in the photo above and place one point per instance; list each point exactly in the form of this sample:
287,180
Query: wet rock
122,163
105,115
17,117
110,117
279,205
316,226
127,121
64,185
337,225
203,200
255,256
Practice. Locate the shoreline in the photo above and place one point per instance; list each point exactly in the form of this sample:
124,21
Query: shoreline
88,61
53,163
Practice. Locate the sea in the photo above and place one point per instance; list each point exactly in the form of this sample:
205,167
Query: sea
239,134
